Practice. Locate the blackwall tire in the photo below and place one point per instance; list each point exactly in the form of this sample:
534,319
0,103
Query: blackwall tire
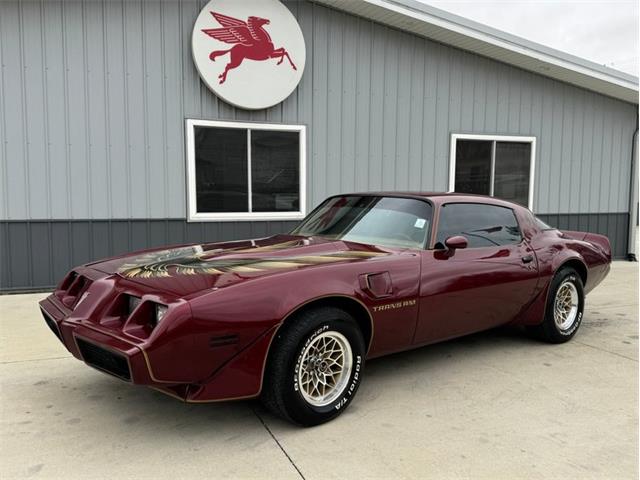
564,309
315,367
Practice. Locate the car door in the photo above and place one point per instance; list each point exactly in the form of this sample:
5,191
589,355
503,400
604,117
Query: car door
482,286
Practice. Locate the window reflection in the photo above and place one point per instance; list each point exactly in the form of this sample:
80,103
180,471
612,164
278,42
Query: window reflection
375,220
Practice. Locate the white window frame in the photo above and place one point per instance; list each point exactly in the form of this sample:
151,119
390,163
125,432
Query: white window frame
493,138
192,211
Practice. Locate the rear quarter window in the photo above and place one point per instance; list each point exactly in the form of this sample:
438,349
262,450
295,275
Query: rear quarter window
482,225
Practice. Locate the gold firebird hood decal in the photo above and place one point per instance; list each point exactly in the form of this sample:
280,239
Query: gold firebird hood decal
193,261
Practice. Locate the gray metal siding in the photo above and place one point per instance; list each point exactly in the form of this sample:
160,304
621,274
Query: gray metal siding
613,225
94,96
37,254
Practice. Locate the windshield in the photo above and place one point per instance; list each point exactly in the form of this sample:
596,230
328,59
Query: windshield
385,221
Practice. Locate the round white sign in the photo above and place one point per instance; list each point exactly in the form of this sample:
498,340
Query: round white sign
250,53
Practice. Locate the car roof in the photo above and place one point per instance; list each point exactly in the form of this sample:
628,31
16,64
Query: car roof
443,197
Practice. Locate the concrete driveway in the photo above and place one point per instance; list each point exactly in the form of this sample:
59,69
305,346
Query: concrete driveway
492,405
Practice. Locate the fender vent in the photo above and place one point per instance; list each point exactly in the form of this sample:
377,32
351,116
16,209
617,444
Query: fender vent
215,342
377,285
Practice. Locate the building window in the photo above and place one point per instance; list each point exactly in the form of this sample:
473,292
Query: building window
245,171
500,166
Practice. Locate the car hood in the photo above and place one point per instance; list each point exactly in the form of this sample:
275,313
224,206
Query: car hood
187,269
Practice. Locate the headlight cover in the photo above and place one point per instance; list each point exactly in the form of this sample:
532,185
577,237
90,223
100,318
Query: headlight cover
133,303
160,312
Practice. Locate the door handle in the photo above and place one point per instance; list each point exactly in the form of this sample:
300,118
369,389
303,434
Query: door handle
527,259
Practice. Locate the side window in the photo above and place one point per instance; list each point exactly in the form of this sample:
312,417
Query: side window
483,225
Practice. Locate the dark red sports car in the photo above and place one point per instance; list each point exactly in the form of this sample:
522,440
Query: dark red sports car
292,318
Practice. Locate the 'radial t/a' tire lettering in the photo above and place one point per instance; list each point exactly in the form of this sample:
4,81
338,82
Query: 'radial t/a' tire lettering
315,366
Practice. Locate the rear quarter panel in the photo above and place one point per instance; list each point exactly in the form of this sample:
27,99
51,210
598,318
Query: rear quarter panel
554,249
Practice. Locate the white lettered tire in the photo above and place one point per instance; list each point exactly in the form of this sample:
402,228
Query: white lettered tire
565,307
315,366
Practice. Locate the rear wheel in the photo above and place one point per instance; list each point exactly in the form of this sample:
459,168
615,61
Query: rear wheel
315,366
565,306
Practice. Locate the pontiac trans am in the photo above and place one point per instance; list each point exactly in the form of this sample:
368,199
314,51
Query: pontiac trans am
293,318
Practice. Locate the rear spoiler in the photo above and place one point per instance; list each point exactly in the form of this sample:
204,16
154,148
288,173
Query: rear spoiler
601,242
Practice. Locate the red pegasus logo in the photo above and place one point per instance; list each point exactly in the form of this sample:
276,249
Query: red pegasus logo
253,42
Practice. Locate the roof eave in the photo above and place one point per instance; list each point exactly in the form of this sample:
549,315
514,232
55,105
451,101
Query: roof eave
435,24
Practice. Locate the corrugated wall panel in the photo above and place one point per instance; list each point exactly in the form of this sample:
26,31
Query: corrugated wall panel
362,145
117,106
3,133
97,154
14,187
416,117
37,254
332,159
429,123
77,118
95,95
35,126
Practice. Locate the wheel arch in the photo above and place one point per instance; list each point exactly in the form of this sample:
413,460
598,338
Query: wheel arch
351,305
259,354
578,265
534,314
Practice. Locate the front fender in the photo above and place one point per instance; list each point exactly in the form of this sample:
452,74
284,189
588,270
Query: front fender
256,309
241,377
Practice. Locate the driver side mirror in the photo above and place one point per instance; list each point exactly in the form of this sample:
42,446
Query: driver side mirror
455,242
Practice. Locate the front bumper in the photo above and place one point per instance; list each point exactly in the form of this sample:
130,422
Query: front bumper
116,356
239,373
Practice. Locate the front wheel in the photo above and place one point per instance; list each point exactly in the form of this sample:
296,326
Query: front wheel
315,366
565,306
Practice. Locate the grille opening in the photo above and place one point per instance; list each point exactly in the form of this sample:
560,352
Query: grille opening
52,325
105,360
